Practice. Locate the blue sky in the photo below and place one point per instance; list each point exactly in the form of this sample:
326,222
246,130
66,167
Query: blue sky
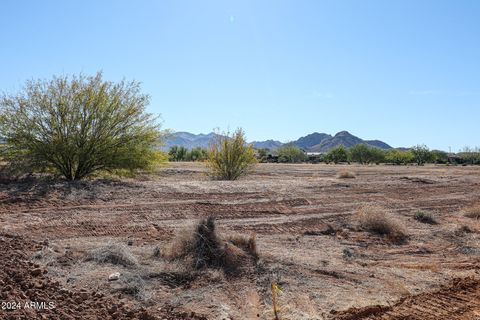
404,71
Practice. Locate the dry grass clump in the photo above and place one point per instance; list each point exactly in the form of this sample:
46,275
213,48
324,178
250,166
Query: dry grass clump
424,217
378,220
133,285
463,230
203,248
247,244
472,212
112,253
346,175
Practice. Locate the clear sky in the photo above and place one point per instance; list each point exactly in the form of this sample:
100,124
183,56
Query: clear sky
403,71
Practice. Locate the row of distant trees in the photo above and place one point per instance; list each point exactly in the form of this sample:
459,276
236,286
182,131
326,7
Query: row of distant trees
360,153
365,154
180,153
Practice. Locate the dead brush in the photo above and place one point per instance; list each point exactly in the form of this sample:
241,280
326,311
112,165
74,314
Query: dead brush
247,244
472,212
112,253
424,217
203,248
132,285
378,220
346,175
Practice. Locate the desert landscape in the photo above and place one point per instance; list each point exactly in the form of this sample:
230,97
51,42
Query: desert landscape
306,220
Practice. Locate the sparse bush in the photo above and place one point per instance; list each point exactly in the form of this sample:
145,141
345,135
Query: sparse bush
229,156
112,253
337,155
472,212
346,175
203,248
131,284
378,220
288,153
424,217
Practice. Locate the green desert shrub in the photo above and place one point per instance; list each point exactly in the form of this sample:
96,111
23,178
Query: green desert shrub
421,154
197,154
337,154
262,155
396,156
229,156
76,126
289,153
439,157
470,155
177,153
180,153
366,154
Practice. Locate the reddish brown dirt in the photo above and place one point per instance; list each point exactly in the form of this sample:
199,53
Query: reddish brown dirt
307,235
27,292
459,300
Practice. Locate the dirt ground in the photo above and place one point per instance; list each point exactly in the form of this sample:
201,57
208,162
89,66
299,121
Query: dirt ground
309,242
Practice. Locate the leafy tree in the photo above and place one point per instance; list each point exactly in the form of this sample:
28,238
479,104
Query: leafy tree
229,156
377,155
421,154
196,154
262,154
337,154
177,153
366,154
78,125
470,155
359,153
438,156
398,156
290,153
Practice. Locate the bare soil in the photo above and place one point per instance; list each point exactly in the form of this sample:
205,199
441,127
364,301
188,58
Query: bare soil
308,240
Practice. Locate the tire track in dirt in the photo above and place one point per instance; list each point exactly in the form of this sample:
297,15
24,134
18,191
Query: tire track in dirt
142,219
299,215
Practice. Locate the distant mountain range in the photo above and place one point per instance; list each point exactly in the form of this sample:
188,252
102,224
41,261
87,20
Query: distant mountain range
189,140
314,142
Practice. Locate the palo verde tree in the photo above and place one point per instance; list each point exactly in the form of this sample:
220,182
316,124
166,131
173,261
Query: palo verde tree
398,157
421,154
360,153
177,153
366,154
229,156
78,125
337,154
290,153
